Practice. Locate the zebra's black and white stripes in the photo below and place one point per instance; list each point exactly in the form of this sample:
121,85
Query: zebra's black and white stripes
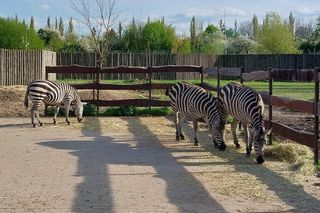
55,94
246,106
191,103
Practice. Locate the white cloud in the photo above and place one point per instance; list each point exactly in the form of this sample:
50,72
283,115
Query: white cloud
306,10
44,7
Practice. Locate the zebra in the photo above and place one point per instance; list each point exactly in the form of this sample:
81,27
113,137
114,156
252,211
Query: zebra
53,93
246,106
191,103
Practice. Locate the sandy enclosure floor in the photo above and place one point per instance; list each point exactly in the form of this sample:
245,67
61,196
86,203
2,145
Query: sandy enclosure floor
133,164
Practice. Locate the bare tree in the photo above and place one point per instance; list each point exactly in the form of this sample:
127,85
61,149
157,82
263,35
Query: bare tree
99,17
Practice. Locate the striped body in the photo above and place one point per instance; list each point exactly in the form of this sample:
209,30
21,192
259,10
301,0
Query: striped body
244,105
55,94
191,103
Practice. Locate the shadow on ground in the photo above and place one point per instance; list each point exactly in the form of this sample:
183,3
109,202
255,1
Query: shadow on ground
96,193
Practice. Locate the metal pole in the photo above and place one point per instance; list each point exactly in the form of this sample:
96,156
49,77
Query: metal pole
150,88
270,104
316,115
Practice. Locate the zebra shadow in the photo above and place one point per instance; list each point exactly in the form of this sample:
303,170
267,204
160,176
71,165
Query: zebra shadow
291,194
100,158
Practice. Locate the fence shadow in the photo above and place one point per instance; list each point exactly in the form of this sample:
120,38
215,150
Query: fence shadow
96,193
291,194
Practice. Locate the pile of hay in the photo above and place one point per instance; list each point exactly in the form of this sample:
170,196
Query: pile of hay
299,156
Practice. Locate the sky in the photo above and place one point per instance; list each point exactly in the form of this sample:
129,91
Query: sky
178,13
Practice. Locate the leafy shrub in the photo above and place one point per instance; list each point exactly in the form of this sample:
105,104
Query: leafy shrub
51,110
135,111
90,110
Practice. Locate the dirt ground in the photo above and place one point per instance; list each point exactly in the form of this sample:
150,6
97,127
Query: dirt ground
133,164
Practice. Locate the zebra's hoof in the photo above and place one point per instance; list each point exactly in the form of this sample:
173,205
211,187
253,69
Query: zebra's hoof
41,124
196,143
260,160
238,146
182,137
177,138
35,125
54,122
69,123
222,147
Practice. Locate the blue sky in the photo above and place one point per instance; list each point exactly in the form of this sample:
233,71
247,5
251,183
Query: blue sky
176,12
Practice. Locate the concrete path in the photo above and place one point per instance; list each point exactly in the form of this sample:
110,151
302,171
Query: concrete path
85,168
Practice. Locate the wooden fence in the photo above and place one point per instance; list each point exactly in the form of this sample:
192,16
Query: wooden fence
19,67
308,139
23,66
310,107
96,72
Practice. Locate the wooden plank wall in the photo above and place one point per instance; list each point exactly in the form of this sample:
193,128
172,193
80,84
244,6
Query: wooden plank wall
27,65
19,67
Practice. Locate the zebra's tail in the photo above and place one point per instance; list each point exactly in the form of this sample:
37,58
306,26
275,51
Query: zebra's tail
26,98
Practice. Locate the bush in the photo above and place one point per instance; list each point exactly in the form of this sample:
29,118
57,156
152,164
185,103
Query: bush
51,110
90,110
135,111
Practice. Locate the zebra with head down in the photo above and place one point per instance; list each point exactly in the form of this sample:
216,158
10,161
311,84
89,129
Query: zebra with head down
53,93
191,103
245,105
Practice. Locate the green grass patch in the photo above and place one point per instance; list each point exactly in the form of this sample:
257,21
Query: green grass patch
136,111
295,90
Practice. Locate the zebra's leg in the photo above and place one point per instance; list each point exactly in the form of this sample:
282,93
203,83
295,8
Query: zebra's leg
250,138
55,114
67,104
246,138
177,124
195,129
234,125
35,113
32,117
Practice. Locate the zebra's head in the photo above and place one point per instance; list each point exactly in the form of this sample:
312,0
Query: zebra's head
79,110
261,137
217,130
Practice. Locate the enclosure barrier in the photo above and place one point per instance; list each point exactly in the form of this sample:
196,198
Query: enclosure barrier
305,138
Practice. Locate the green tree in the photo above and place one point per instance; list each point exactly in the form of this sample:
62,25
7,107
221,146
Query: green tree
255,25
181,46
70,35
61,27
275,36
31,26
157,36
193,33
131,39
291,23
51,39
48,23
16,35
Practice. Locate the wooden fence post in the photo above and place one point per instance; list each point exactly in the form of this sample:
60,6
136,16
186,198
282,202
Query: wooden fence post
201,76
98,71
218,82
150,86
241,72
1,67
316,115
270,104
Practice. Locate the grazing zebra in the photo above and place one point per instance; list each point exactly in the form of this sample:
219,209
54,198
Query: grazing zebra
246,106
192,103
53,93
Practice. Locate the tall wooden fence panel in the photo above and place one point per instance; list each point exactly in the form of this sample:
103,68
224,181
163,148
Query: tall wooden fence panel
19,67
